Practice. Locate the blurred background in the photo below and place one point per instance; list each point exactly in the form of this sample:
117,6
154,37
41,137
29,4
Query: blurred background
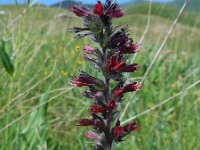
38,57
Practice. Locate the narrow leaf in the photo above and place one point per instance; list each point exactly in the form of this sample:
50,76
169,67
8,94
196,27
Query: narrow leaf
5,59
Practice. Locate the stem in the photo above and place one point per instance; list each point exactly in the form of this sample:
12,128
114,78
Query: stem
106,141
107,89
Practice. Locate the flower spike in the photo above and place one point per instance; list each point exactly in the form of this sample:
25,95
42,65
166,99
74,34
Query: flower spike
110,58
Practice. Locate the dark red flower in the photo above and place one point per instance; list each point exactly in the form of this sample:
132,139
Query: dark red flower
111,62
129,47
118,92
85,122
129,68
119,65
80,82
116,11
111,105
86,80
80,11
118,131
98,8
97,109
135,86
131,127
90,122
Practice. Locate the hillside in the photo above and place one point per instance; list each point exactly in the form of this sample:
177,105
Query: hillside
165,11
67,3
194,5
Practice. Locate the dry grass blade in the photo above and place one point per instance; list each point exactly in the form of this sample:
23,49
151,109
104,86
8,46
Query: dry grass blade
34,86
25,114
157,54
31,99
146,29
147,26
162,103
14,21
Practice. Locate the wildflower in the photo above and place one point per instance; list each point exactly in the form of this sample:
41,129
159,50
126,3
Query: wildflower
85,122
121,66
97,109
131,127
111,105
88,49
118,131
77,47
134,86
118,92
79,62
90,122
116,11
86,80
98,8
128,68
64,74
128,88
99,96
80,11
130,48
80,82
91,135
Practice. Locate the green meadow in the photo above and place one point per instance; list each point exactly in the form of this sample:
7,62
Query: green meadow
39,109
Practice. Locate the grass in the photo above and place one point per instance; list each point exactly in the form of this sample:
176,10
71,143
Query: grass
46,57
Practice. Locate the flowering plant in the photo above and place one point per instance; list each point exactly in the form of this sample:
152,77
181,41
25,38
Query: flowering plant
110,60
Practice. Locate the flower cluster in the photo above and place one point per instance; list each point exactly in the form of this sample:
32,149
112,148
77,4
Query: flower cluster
109,59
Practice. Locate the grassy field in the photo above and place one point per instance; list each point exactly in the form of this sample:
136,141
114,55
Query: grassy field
39,109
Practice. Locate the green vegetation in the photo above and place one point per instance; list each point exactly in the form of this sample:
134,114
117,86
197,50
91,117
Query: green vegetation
45,57
193,5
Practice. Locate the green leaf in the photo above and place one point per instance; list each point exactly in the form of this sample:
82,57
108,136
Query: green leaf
5,59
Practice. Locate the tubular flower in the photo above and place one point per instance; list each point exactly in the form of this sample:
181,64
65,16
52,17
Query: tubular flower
118,131
86,80
131,127
80,82
113,10
98,8
90,122
88,49
118,92
91,135
80,11
129,68
97,109
116,11
111,105
85,122
135,86
120,66
130,48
